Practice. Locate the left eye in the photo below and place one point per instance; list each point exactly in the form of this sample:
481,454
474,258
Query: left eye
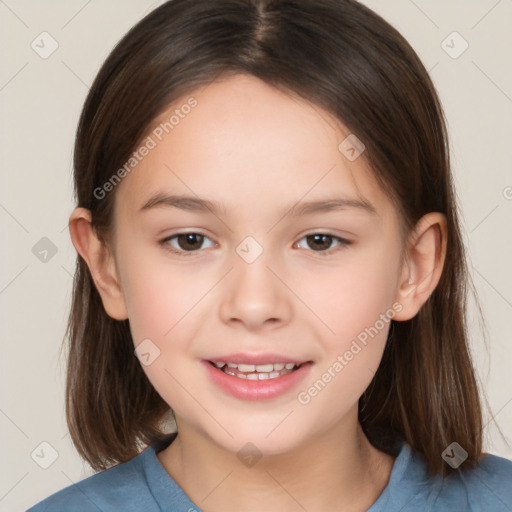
323,241
183,243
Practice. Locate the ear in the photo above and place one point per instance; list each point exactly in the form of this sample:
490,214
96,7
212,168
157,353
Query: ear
100,261
424,261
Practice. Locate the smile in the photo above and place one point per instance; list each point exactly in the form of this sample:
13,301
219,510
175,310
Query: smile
256,378
256,371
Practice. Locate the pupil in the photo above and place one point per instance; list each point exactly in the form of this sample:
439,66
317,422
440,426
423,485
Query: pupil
320,240
189,238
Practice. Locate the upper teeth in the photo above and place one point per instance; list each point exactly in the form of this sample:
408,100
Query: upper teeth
269,367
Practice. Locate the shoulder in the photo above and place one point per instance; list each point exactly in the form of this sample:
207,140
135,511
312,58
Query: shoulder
484,488
487,487
122,487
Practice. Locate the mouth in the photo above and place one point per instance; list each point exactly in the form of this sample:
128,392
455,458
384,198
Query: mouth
256,377
266,371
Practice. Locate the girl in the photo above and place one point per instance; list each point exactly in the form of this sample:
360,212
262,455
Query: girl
269,249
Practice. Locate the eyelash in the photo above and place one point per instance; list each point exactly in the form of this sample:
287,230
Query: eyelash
165,243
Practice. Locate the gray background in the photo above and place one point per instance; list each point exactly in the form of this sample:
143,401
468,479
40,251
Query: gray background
40,102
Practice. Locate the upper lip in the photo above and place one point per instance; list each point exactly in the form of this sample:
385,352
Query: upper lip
244,358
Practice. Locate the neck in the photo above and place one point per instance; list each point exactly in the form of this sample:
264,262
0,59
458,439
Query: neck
340,470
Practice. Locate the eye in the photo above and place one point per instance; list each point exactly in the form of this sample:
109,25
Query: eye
184,243
323,242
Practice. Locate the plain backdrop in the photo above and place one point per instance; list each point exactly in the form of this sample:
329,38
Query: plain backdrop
41,99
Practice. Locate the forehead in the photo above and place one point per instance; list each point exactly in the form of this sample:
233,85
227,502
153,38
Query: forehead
247,145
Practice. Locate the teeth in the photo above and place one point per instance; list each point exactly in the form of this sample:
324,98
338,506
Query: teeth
263,368
245,367
256,371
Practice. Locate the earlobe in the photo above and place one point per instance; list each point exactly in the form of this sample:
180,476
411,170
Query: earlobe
426,252
100,262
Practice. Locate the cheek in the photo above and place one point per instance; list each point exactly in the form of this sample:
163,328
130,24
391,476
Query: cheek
158,293
152,304
160,301
354,295
358,307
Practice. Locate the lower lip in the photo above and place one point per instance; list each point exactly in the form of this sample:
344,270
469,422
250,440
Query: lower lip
256,389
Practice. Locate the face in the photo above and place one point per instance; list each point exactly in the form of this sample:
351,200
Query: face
258,276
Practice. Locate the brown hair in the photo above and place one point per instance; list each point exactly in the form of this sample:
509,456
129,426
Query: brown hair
346,59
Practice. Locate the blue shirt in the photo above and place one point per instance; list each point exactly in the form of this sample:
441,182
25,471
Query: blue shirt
142,484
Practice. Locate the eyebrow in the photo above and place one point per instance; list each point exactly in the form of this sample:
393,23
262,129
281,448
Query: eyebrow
196,204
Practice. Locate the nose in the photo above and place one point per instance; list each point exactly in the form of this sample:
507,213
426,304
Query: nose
255,296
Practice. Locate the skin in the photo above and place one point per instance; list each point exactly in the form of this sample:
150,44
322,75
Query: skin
256,150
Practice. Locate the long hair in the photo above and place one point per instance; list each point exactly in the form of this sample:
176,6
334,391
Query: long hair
344,58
